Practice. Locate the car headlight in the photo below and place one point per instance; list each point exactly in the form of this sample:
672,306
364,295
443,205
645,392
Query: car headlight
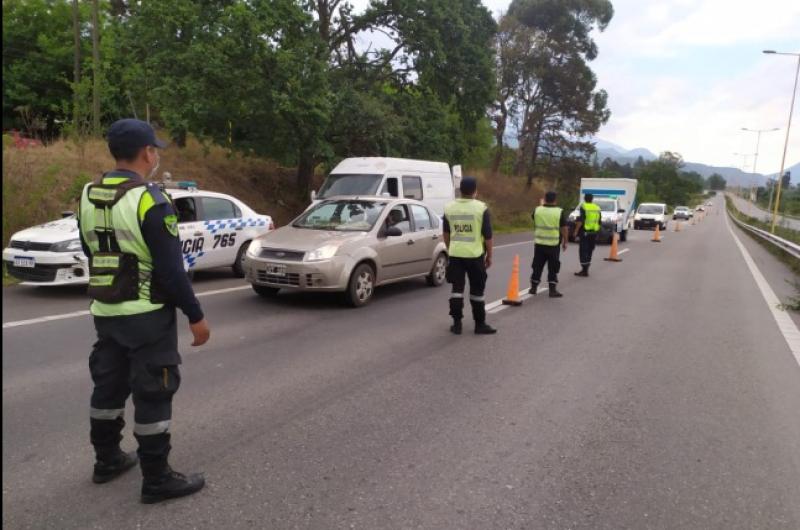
637,217
322,253
254,249
73,245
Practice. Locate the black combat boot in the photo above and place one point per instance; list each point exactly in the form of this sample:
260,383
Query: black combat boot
534,288
553,292
169,484
110,467
584,271
482,328
455,329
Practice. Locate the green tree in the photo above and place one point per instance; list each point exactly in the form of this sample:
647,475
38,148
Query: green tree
38,64
717,182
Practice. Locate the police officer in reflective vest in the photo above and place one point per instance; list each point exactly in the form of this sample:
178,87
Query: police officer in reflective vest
129,232
587,227
468,236
549,232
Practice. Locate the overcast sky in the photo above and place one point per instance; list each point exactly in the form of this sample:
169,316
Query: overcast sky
687,75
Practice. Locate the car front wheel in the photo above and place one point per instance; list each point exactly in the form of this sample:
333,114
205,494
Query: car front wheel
361,286
238,265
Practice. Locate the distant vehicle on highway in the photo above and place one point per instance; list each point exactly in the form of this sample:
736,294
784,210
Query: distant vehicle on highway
215,230
350,245
682,212
433,183
617,201
650,215
709,203
700,208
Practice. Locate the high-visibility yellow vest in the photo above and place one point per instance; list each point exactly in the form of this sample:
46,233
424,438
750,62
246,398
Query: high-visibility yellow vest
546,225
592,217
123,219
465,217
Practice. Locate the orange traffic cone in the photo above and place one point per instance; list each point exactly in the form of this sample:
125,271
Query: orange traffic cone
512,296
657,234
678,226
614,255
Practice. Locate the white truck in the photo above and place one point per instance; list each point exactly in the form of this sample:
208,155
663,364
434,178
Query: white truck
617,201
433,183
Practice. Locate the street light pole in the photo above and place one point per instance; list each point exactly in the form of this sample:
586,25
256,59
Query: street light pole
786,143
758,143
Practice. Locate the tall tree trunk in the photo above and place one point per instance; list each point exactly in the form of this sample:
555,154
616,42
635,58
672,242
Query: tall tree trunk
76,74
96,67
499,137
305,171
534,156
179,137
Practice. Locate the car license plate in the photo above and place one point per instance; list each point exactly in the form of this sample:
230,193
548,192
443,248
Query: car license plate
276,269
28,263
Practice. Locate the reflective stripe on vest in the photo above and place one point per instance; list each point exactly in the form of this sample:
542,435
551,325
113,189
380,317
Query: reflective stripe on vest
592,217
465,217
125,217
546,229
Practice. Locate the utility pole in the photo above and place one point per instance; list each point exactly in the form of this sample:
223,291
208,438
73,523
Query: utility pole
96,67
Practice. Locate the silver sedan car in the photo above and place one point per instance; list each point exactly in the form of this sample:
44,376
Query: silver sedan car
350,245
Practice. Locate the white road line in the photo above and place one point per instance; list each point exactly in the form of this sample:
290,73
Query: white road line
785,323
76,314
222,291
44,319
623,251
515,244
497,305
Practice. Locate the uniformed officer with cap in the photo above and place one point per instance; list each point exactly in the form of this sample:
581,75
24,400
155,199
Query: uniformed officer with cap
129,231
587,227
468,236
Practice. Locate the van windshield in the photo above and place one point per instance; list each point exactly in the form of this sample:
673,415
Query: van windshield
606,205
342,184
651,208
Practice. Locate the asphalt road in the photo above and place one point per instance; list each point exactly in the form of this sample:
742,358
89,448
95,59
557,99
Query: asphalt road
748,208
659,393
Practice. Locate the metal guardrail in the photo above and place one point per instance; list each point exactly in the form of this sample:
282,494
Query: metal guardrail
786,245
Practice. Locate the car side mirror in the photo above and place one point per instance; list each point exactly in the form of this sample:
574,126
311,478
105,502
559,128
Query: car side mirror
621,210
313,195
67,213
393,231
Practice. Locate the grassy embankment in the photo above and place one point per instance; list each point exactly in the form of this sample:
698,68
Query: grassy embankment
785,233
40,183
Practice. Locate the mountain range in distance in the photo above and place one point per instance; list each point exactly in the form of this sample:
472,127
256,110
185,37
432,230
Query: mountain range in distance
732,175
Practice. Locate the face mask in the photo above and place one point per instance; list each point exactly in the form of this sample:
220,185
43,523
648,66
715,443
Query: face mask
155,167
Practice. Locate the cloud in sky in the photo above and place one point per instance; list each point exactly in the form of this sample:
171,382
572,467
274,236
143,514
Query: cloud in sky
687,75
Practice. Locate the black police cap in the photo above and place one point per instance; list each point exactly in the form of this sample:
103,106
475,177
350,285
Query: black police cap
130,134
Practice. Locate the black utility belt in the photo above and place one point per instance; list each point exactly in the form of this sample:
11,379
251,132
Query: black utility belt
113,277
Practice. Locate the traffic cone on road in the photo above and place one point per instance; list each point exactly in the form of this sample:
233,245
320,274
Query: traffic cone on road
657,235
678,226
512,296
613,255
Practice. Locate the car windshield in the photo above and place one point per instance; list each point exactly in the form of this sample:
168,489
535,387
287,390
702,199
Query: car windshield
681,209
344,215
651,208
342,184
605,206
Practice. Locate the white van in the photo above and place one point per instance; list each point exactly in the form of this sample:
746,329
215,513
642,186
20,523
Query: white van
433,183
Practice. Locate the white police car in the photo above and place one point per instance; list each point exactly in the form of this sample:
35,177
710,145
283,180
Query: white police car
215,230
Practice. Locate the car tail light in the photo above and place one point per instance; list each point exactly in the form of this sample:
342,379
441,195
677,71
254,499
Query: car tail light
271,225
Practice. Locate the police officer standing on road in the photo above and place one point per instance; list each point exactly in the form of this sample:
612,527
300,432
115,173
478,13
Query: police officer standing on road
468,236
587,228
549,232
129,231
